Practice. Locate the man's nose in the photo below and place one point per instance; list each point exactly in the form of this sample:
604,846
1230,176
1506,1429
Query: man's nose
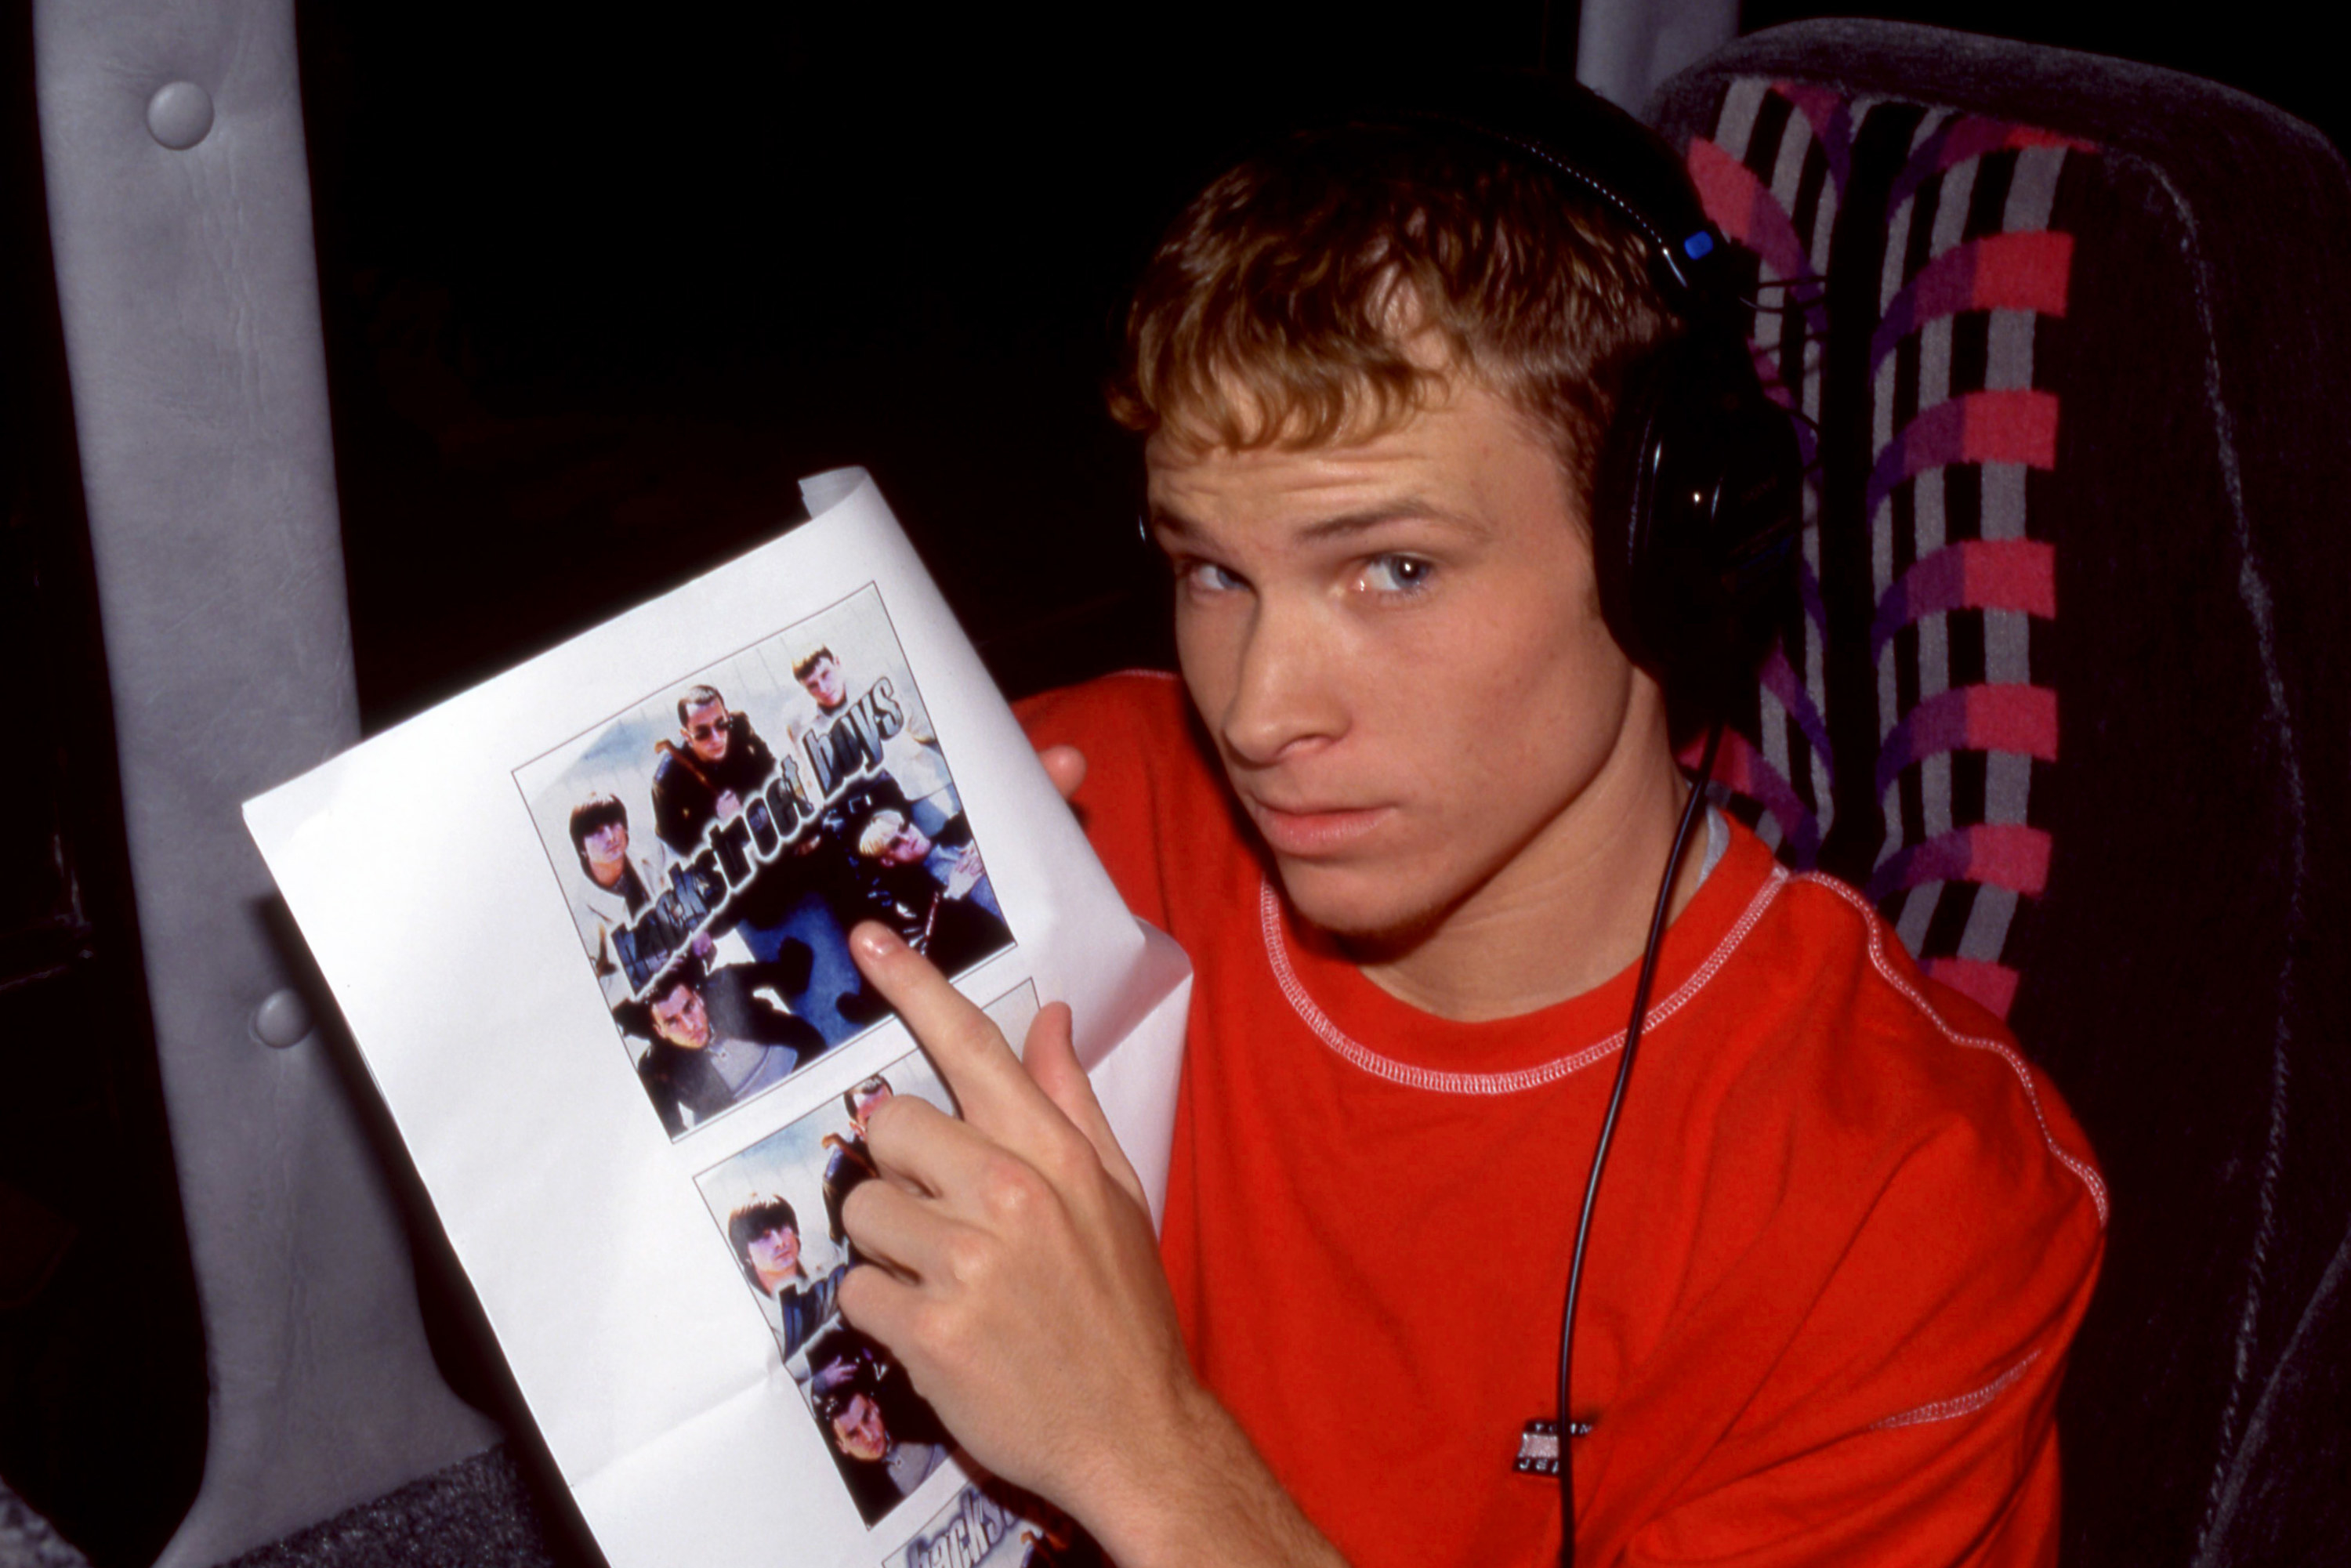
1286,690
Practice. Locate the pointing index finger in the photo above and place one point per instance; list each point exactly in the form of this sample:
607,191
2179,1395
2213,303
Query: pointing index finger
987,1078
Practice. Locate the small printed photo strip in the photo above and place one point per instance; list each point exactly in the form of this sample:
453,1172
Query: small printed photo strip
992,1526
716,845
779,1203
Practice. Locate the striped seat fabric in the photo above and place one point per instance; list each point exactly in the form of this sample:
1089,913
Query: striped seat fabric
1905,269
2068,691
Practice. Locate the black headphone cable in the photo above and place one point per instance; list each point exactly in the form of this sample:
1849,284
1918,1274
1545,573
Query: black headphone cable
1691,810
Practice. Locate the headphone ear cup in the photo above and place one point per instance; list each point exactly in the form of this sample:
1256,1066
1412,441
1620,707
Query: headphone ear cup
1623,514
1694,512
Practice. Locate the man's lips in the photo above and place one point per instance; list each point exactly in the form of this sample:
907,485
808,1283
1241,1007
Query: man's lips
1309,830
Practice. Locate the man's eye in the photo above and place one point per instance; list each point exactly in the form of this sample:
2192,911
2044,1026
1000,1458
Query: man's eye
1207,577
1397,573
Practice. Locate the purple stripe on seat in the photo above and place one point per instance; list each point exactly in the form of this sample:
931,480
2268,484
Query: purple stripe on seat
2021,719
1808,590
1779,677
1994,855
2018,426
1975,574
1745,770
1967,136
1999,272
1828,114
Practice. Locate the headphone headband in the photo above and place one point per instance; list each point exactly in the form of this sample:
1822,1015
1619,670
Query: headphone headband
1583,138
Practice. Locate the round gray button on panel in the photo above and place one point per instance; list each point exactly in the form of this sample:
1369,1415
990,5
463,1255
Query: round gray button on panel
179,115
282,1020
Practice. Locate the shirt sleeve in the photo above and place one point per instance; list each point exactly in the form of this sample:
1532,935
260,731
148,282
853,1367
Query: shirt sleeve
1911,1416
1142,771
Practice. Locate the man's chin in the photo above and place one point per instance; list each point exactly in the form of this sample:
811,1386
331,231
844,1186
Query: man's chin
1362,911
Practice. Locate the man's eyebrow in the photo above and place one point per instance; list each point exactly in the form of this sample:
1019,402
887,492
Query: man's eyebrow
1409,509
1167,520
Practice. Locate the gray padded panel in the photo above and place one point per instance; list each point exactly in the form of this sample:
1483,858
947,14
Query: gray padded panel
1624,48
189,303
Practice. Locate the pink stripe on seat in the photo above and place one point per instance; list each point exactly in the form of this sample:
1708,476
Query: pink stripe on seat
2013,426
1991,987
1999,272
2014,718
1974,574
1997,854
1743,208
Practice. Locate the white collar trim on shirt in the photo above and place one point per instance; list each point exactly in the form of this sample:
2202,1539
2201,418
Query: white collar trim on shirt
1278,953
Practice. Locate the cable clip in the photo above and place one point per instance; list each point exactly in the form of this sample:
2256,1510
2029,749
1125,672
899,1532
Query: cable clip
1538,1446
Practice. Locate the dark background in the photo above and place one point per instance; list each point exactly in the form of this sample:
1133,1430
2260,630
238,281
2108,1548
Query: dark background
598,294
598,288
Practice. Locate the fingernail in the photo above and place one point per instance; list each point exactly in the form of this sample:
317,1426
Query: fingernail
877,940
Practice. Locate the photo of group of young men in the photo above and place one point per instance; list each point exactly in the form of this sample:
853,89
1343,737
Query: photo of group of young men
717,844
778,1203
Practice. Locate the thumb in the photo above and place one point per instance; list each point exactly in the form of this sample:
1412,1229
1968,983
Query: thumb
1051,1055
1066,766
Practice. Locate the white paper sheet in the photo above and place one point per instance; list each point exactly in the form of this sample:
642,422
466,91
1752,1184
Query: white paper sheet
433,871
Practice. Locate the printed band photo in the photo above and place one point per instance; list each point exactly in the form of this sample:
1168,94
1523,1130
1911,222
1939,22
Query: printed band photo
716,845
778,1203
990,1525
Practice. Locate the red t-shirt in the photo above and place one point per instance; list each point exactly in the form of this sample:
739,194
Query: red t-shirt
1843,1239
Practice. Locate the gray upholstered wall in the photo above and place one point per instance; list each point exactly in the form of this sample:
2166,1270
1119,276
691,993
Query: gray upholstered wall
179,204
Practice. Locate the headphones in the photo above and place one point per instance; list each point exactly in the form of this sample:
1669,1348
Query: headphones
1695,500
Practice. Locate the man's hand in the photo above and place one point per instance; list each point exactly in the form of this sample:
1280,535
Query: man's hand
730,804
1021,1282
1065,765
966,873
1014,1273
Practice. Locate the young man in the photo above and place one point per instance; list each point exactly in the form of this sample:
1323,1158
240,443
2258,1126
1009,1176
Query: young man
935,894
717,764
619,880
722,765
1410,825
911,758
885,1441
766,1235
819,673
715,1044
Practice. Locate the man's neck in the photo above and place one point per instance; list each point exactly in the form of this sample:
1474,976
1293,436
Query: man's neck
1569,913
